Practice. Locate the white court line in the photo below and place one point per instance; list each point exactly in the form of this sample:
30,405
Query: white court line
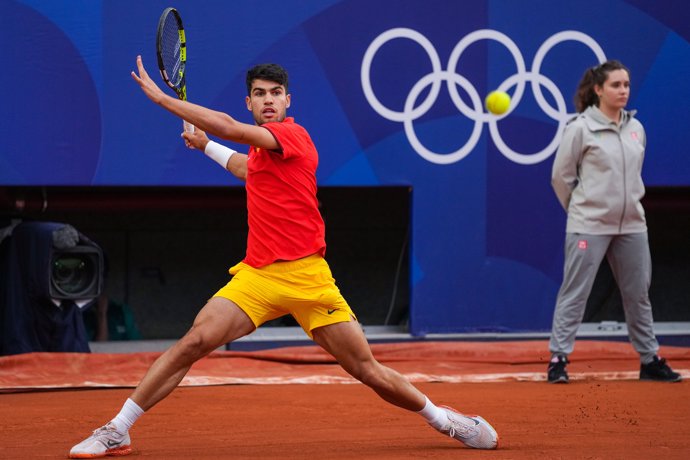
194,381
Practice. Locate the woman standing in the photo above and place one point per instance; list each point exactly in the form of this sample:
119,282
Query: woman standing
597,178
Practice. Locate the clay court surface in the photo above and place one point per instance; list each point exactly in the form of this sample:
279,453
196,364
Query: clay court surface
295,403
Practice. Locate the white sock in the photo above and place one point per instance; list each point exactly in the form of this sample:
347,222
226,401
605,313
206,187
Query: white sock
128,415
433,414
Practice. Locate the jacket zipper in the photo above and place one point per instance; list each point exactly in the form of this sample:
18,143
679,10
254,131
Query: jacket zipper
625,185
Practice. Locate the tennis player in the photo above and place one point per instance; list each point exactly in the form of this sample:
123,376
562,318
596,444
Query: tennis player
284,271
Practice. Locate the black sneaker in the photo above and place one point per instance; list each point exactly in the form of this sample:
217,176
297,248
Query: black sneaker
556,372
658,370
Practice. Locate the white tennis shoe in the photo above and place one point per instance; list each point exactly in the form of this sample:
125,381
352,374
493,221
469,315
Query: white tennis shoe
471,430
105,441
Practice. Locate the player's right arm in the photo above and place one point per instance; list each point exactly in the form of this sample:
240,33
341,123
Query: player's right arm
229,159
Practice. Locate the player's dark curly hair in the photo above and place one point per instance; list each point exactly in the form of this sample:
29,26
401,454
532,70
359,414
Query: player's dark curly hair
594,76
268,72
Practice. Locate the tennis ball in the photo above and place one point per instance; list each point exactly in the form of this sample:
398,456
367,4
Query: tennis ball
497,102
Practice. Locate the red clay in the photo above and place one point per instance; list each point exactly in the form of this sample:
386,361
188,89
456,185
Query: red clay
604,413
535,420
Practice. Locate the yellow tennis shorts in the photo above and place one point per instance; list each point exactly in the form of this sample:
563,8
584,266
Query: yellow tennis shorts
303,288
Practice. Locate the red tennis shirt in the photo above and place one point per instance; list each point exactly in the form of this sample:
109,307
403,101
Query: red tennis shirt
284,218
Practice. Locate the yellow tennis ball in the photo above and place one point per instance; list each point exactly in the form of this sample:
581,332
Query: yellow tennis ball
497,102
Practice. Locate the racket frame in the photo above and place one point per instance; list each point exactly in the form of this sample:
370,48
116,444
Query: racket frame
181,89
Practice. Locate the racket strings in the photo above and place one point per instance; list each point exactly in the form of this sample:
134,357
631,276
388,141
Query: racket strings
171,50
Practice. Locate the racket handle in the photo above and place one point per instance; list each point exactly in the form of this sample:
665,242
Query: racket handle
188,127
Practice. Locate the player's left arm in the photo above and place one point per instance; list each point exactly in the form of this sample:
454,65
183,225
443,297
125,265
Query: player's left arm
217,123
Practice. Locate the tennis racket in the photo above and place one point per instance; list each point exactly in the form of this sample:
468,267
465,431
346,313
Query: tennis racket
171,48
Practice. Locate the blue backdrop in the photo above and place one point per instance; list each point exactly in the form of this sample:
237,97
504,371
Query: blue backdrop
391,93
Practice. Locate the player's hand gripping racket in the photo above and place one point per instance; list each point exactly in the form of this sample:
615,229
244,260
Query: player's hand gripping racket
171,48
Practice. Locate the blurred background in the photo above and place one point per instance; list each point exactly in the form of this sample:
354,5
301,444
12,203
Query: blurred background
440,219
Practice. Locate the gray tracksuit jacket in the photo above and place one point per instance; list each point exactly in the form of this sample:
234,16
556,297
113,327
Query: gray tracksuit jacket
597,174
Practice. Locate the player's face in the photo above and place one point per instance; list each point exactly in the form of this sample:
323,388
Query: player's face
614,94
268,101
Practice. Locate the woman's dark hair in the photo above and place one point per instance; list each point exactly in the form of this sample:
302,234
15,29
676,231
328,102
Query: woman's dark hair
268,72
594,76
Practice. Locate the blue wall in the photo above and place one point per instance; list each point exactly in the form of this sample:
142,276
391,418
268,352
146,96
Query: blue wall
391,92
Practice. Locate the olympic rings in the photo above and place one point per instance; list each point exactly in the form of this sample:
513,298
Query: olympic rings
476,113
366,66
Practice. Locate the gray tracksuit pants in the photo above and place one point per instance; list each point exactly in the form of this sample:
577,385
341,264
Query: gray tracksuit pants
631,264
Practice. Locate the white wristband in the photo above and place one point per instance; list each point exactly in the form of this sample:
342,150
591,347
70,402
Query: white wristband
219,153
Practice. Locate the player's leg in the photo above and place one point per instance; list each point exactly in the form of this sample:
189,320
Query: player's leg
583,256
306,288
631,265
220,321
347,343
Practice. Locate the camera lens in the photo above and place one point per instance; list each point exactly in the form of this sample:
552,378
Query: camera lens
74,274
